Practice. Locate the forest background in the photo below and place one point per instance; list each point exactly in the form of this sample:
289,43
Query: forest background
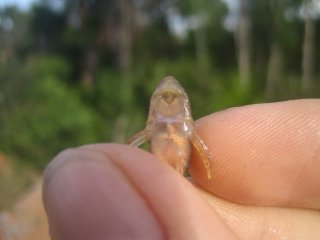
77,72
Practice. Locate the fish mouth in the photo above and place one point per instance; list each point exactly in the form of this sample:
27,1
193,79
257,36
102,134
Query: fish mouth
168,96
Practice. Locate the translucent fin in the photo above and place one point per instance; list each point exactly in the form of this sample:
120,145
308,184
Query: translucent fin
139,138
204,152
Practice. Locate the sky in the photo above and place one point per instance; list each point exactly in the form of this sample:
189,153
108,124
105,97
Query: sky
25,5
21,4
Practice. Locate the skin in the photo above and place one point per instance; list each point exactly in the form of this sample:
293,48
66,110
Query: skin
265,184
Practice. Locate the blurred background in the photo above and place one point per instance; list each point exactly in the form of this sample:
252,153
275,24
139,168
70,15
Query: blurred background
76,72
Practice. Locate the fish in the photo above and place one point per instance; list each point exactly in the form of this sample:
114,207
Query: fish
170,129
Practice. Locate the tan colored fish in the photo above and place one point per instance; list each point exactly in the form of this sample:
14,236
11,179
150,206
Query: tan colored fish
170,128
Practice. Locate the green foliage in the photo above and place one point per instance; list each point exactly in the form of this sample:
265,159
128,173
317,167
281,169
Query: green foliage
45,106
116,99
49,117
42,66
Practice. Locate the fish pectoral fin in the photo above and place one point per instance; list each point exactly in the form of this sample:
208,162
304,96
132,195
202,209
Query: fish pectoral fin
204,153
139,138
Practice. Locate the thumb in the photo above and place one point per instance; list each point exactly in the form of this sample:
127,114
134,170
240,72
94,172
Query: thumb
108,191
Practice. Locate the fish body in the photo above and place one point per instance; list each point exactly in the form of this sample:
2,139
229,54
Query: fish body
170,128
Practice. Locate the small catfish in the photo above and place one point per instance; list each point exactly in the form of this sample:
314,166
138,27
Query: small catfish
170,128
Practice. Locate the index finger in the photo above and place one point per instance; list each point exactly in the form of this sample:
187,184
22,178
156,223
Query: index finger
264,154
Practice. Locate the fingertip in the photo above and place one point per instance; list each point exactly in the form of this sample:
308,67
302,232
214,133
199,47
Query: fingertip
88,197
265,154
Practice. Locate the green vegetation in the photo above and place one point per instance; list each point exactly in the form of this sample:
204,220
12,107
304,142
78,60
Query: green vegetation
85,73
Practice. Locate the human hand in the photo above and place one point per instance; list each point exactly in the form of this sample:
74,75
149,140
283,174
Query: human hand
266,183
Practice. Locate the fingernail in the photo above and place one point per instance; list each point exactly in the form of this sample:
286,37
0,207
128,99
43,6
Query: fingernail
89,197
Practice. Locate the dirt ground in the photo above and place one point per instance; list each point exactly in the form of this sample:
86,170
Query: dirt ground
26,220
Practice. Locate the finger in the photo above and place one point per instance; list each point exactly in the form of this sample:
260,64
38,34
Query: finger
86,197
265,154
110,191
253,222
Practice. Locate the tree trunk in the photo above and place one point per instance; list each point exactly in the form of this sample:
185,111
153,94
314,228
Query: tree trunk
125,62
119,128
274,71
125,38
201,49
243,43
90,63
308,49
